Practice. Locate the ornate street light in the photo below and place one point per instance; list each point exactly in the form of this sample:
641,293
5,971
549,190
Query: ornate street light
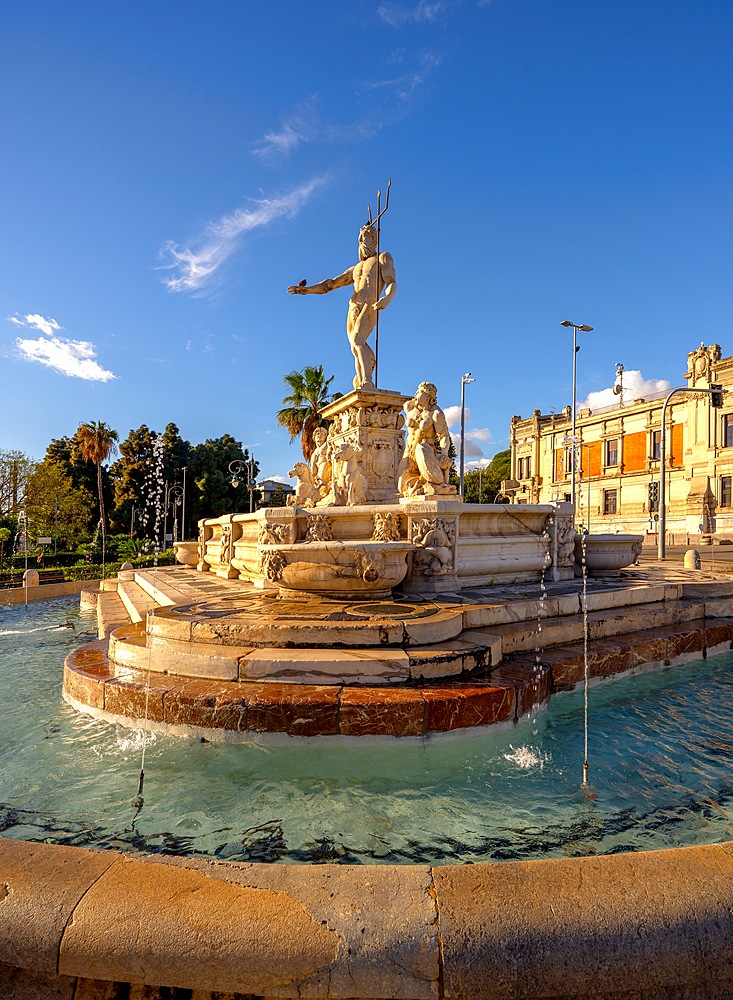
239,470
172,497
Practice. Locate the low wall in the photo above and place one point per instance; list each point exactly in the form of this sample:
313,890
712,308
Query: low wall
76,923
17,595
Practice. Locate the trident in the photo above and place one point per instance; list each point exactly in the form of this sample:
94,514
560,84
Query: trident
380,213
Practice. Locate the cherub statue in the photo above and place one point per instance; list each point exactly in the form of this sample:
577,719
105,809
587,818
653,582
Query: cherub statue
373,275
425,464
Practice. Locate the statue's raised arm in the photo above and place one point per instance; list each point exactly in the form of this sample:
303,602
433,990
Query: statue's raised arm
375,284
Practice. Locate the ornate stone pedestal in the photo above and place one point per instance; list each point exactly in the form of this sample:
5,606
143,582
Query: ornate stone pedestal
367,428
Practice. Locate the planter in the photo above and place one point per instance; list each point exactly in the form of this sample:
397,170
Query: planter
606,554
333,569
187,553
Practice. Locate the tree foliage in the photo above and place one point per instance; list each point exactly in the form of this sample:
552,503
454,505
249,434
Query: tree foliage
214,494
15,471
69,522
308,394
482,486
97,442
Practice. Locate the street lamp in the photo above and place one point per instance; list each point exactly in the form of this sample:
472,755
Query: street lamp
135,510
465,380
183,512
576,348
172,496
238,469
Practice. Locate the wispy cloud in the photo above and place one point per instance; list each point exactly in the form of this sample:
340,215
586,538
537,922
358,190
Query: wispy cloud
406,84
635,387
194,267
390,99
74,358
424,12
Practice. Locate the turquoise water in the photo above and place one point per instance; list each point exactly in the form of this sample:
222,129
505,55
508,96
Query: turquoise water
660,752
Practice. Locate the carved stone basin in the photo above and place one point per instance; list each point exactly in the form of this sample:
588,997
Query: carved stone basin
607,553
335,568
186,553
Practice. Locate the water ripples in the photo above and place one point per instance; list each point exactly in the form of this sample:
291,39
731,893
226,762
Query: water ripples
660,749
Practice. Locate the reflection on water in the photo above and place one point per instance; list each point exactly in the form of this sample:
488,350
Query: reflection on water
660,755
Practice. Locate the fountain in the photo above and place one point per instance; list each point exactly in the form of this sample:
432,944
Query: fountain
379,606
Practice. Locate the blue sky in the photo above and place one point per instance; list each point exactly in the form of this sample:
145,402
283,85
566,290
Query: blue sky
169,169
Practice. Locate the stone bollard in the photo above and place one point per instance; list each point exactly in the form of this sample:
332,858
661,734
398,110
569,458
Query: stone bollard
127,572
30,578
692,559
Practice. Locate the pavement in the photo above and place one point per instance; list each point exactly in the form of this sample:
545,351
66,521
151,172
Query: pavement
713,558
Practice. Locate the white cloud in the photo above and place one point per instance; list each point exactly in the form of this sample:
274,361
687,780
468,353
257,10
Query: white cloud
479,434
426,11
470,448
453,415
36,322
280,144
473,435
194,267
635,387
74,358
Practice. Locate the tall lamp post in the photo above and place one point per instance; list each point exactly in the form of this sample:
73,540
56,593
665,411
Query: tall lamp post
238,468
173,496
135,510
183,512
465,380
576,348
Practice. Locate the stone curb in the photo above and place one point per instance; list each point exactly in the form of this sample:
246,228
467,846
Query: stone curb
652,925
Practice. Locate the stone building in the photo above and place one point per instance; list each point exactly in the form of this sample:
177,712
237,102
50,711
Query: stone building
618,455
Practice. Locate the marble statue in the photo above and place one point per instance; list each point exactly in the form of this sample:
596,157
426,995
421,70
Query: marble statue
306,492
373,275
351,483
425,465
321,465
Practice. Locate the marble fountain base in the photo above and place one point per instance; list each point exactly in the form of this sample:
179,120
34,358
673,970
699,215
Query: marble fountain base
225,660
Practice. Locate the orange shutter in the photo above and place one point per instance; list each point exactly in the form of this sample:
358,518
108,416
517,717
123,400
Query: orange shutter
559,464
634,452
675,450
590,455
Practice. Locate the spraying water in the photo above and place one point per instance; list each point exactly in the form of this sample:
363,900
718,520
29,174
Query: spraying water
155,488
584,603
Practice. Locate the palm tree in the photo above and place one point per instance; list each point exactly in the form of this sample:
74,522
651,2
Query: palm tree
308,393
97,442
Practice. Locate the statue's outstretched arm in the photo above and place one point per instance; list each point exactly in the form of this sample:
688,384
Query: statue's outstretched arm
347,278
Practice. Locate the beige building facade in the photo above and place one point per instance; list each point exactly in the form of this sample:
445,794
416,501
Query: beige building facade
618,458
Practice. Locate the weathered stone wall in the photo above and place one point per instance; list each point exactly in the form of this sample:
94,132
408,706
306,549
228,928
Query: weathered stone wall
77,924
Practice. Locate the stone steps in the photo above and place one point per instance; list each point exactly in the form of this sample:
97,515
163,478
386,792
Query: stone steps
137,602
242,709
525,636
111,613
156,586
